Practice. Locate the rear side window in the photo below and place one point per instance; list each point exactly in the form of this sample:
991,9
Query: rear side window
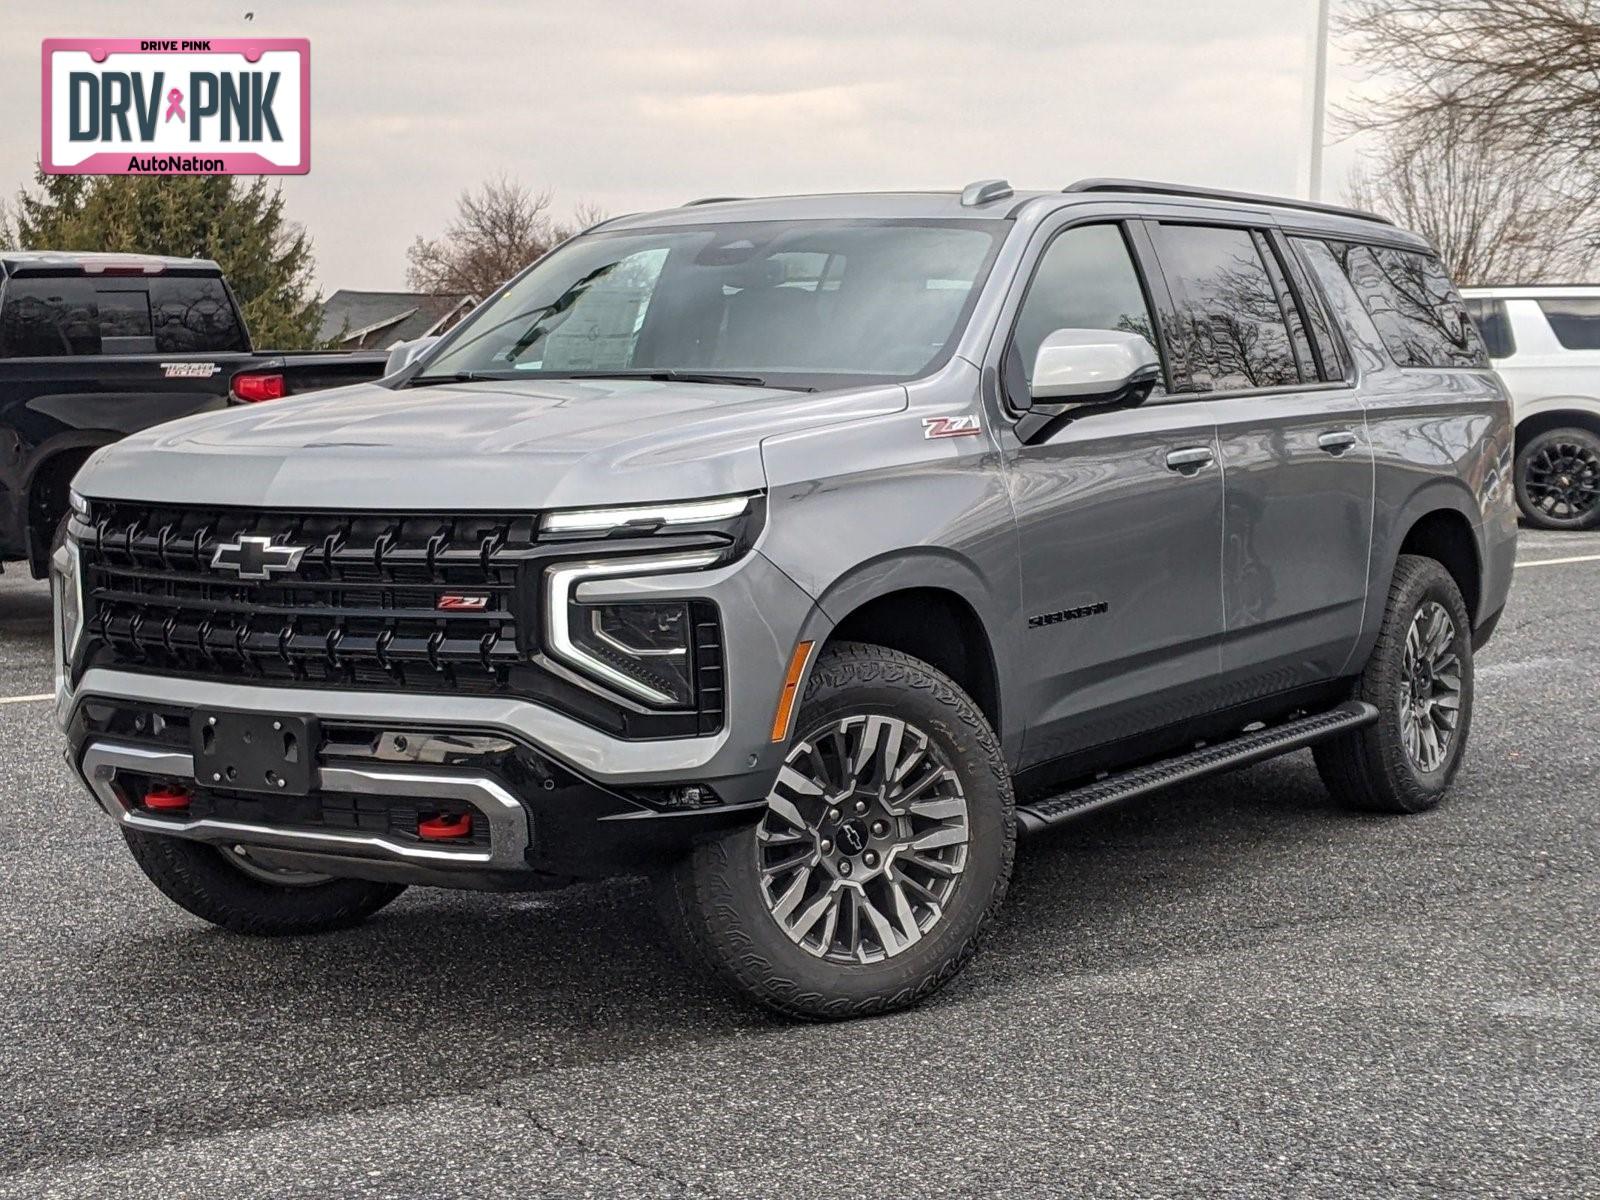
45,317
192,314
1494,327
1417,311
1232,323
1575,321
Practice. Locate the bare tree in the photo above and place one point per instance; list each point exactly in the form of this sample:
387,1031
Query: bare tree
1526,68
1498,209
498,229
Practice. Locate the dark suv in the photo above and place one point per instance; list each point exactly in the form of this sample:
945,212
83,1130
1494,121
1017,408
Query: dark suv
801,553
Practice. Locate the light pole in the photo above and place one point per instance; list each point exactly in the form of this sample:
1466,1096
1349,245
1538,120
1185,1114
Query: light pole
1319,96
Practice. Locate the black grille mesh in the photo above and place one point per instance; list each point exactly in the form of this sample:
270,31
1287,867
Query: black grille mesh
360,609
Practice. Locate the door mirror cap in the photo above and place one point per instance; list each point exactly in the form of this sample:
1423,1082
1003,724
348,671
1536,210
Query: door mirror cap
403,354
1093,366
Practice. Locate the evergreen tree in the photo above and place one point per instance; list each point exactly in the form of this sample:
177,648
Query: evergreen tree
267,260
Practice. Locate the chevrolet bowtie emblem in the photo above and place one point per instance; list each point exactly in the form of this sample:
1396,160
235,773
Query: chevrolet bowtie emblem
256,557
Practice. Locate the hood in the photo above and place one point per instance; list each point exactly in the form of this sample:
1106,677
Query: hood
472,446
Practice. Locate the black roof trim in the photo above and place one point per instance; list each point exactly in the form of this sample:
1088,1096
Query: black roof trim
714,200
1199,193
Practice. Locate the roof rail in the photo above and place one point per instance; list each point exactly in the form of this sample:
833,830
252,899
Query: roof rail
983,191
713,200
1200,193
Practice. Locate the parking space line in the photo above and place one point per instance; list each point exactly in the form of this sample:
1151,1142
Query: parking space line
1556,562
42,696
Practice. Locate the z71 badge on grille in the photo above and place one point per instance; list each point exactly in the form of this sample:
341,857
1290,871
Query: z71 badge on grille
256,557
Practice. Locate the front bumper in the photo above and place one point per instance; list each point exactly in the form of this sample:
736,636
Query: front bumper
534,822
565,801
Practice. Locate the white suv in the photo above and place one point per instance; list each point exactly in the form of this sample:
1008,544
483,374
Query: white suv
1545,342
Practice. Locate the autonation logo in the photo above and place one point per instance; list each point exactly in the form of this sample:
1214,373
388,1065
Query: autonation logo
130,106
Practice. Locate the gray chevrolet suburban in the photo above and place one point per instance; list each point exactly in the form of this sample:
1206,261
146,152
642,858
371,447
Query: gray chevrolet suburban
800,553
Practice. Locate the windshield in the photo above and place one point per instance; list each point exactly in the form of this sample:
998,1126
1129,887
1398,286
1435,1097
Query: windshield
803,304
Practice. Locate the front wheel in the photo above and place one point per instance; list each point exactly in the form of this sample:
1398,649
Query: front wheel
1420,680
885,848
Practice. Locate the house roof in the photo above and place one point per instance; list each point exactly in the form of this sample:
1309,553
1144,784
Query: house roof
384,318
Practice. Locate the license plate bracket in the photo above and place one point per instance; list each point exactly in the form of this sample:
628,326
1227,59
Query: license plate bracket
254,752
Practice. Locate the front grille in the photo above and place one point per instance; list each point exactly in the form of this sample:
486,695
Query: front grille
361,608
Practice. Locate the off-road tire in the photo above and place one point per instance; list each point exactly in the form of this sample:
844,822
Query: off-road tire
1369,768
199,878
1587,447
711,900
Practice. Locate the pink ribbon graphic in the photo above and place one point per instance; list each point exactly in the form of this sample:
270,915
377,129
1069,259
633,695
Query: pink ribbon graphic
175,105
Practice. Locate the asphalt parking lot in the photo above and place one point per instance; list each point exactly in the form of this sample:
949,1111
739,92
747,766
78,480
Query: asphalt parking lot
1230,989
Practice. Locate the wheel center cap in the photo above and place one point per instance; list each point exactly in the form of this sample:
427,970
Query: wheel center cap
852,837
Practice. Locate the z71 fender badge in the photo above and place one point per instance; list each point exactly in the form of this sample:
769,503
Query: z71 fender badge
190,370
949,427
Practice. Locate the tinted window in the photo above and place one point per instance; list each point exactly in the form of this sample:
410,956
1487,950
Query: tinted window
1576,322
191,314
801,303
1416,308
1230,320
1085,280
48,317
1299,339
1493,326
124,313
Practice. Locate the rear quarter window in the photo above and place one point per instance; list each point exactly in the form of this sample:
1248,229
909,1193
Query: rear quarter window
1417,311
1494,326
1574,320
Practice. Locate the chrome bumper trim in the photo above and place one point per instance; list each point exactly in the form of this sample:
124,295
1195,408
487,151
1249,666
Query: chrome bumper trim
586,750
508,820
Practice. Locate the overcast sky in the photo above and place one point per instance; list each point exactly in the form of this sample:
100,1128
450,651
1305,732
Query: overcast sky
637,104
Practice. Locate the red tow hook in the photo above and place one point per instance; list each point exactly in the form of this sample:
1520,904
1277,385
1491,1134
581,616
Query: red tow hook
444,827
163,797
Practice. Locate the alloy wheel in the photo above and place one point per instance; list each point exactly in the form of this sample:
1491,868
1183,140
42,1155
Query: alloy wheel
864,840
1563,481
1430,687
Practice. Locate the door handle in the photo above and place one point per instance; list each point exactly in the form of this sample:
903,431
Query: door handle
1336,441
1190,460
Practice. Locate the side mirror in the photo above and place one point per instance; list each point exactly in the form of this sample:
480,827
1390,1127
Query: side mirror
403,354
1093,366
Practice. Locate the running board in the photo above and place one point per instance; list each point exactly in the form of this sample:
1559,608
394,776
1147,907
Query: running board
1196,764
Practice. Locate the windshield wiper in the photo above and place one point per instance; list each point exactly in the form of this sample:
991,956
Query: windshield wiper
462,377
674,376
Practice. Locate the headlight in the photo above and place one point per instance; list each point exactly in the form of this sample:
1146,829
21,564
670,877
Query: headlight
80,506
603,520
643,649
647,643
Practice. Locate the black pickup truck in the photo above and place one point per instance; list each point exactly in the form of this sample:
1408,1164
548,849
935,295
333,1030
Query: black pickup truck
94,347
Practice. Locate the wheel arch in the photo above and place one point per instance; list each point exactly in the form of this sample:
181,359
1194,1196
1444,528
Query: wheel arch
1447,535
931,605
47,484
1558,414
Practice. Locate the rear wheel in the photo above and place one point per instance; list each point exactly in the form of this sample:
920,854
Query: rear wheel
885,848
1420,680
1558,479
226,886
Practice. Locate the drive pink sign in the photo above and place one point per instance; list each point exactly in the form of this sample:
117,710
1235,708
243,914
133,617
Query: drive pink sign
158,106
